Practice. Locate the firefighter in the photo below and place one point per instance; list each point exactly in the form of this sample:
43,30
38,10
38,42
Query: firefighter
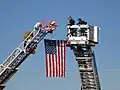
80,21
26,34
38,25
71,21
52,25
82,30
26,38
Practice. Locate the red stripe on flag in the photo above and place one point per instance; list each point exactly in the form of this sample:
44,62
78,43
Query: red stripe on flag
59,57
56,65
50,65
64,58
53,65
46,67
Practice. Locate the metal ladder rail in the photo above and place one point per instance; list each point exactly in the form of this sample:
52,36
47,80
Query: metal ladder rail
5,76
16,52
6,67
86,73
15,62
12,55
9,71
86,69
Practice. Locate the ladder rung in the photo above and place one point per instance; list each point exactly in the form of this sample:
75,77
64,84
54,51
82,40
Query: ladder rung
79,58
85,69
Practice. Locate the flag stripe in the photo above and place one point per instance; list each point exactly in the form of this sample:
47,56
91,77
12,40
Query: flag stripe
56,65
57,61
50,64
64,57
47,67
59,57
53,65
54,59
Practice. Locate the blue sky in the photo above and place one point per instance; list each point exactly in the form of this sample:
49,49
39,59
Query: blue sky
18,16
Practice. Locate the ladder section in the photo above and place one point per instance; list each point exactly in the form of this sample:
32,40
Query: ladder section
87,68
10,66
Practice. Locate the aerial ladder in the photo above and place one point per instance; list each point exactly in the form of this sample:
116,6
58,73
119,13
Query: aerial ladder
82,39
10,66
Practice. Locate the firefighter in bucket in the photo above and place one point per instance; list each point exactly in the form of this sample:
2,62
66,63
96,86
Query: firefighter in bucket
27,37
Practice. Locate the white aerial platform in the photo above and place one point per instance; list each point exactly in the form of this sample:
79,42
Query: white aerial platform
83,34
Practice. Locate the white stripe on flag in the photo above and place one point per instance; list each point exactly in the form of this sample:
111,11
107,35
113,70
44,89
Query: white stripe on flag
54,61
51,64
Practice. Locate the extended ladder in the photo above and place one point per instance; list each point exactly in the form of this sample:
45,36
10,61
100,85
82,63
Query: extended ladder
87,67
10,66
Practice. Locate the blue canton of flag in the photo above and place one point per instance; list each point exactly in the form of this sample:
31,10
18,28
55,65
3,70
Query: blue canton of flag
50,47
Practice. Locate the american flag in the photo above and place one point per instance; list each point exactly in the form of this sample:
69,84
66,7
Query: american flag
55,58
